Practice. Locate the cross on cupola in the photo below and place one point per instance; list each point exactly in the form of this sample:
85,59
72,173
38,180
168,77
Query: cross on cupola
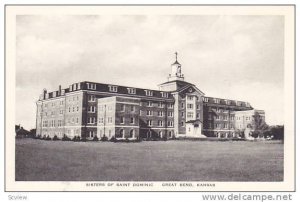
176,70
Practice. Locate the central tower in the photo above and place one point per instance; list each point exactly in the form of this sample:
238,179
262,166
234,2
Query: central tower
176,71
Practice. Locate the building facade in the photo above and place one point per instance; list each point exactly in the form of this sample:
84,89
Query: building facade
177,109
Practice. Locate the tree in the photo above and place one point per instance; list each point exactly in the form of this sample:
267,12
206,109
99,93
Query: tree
260,127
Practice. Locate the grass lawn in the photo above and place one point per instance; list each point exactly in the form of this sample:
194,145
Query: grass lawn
38,160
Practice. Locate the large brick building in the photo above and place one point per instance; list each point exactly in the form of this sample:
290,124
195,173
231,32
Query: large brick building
178,108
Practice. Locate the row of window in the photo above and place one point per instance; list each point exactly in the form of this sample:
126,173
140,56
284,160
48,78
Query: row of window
114,89
52,123
75,86
220,126
227,102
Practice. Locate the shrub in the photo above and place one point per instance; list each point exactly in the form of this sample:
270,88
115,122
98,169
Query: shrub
83,139
48,138
76,139
55,138
44,137
95,138
104,138
66,138
113,139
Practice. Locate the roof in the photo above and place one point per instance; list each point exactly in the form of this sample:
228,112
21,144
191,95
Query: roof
194,121
176,63
177,81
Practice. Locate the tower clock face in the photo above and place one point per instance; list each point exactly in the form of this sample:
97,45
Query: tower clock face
190,90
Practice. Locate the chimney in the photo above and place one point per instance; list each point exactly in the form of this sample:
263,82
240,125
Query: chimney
44,93
59,90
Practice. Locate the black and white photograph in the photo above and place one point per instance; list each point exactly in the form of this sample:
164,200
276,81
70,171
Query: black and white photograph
143,98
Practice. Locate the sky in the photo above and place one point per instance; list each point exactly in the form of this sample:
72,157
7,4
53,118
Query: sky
231,57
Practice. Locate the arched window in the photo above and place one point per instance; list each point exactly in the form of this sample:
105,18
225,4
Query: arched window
149,134
121,132
160,134
170,133
131,133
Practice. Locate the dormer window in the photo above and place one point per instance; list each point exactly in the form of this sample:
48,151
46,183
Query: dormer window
149,92
74,86
54,94
113,88
71,87
227,102
131,90
63,92
217,101
78,86
91,86
205,99
164,94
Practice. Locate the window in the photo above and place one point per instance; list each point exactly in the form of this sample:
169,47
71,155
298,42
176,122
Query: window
101,120
77,120
132,120
100,107
190,115
160,104
74,86
182,124
170,123
149,113
109,107
160,123
109,119
205,99
122,107
131,133
91,120
170,114
216,100
121,133
218,117
149,122
91,133
182,105
164,94
131,90
77,108
149,92
91,98
113,88
91,86
189,97
170,105
160,113
149,104
122,120
132,108
198,116
190,106
225,125
225,118
198,107
91,109
182,114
